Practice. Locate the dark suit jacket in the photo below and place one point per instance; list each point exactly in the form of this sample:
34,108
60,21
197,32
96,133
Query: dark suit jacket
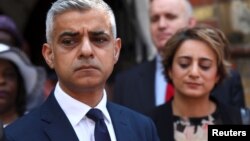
230,91
2,137
164,119
49,123
135,88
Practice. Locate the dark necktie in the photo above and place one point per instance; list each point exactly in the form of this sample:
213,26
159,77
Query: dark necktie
101,131
169,92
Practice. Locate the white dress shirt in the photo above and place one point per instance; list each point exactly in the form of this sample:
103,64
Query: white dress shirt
160,82
76,113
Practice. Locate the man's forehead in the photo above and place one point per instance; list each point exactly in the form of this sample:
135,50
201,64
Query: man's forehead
170,6
97,32
75,22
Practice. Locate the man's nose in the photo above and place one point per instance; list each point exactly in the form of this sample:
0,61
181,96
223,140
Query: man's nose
162,23
86,48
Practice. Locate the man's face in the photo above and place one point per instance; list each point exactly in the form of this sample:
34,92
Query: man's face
83,51
166,18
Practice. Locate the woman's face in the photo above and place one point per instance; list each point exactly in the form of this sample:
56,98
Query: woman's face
8,86
194,69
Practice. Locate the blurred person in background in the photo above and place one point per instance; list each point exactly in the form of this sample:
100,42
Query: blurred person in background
19,80
11,36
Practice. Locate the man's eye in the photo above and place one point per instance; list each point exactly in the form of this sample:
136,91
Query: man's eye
100,41
171,16
154,19
68,42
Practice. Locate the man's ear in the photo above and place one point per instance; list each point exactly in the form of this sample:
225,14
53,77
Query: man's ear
48,55
192,22
117,49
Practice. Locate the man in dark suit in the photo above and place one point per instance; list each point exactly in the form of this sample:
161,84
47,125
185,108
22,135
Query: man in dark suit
82,48
143,87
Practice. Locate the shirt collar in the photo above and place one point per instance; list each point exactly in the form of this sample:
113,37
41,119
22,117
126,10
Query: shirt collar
159,65
76,110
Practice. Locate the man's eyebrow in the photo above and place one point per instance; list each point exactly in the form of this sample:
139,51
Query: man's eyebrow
68,33
97,33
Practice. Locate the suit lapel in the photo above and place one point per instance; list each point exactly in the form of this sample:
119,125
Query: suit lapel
56,124
120,123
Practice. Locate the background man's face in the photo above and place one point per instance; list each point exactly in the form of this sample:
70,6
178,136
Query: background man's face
166,18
